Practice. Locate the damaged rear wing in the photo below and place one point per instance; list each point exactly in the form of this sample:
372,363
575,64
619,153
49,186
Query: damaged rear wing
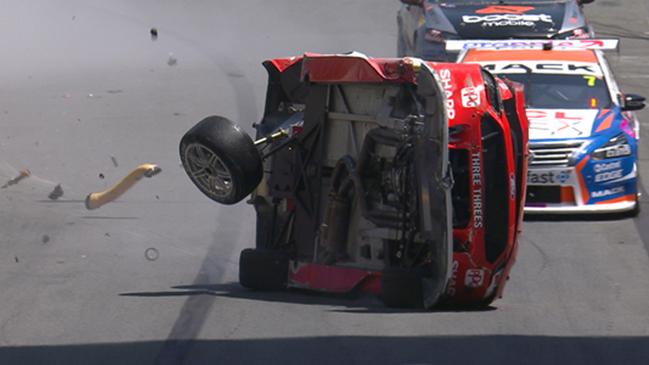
533,44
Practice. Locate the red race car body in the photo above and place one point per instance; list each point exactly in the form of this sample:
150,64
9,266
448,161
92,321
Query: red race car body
391,176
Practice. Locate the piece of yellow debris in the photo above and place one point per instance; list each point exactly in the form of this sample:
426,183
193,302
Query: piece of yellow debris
96,200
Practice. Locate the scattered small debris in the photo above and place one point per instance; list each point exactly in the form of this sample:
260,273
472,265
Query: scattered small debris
91,95
151,254
177,114
45,239
101,176
78,119
154,34
112,158
56,193
172,61
115,91
98,199
60,261
74,17
157,197
22,175
16,259
107,234
83,256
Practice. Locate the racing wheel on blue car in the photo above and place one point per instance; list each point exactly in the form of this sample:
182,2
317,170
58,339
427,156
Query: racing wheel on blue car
221,160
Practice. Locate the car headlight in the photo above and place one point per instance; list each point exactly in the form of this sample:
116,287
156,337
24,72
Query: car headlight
617,146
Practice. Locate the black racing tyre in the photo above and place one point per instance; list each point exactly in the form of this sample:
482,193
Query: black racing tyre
263,269
221,160
401,288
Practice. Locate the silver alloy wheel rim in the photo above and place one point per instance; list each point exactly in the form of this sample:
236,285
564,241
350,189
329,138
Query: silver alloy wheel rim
208,171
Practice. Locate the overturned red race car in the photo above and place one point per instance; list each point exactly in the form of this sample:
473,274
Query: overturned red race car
389,176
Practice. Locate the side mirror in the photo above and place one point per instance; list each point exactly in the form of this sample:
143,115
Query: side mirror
633,102
414,2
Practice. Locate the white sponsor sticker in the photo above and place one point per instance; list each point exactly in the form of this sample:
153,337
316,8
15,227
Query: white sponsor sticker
453,280
459,45
544,67
470,97
607,166
476,179
555,177
507,20
474,278
447,85
609,175
607,192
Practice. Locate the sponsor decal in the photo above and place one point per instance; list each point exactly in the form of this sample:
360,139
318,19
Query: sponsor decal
447,85
474,278
458,45
609,175
560,123
607,192
618,151
453,280
504,9
470,97
476,179
602,167
544,67
507,20
548,177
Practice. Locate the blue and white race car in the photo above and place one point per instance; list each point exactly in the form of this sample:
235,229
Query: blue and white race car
583,133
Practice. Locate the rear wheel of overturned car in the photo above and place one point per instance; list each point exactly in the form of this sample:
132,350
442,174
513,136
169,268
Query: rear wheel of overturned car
401,288
263,269
221,160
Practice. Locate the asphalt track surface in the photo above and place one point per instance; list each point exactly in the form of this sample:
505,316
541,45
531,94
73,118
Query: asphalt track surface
85,91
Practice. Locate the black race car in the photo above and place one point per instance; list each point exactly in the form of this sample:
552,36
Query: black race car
425,25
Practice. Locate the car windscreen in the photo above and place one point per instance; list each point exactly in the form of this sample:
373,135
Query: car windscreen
554,91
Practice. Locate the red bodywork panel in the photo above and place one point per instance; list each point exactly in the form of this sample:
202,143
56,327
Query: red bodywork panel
334,279
475,279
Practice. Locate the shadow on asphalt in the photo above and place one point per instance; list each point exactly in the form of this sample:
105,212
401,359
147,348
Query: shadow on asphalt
342,303
484,350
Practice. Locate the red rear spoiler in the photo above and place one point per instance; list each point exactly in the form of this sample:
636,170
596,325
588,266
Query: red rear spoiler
352,67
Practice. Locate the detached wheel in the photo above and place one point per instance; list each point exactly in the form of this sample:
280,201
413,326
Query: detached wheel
401,288
221,160
263,269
